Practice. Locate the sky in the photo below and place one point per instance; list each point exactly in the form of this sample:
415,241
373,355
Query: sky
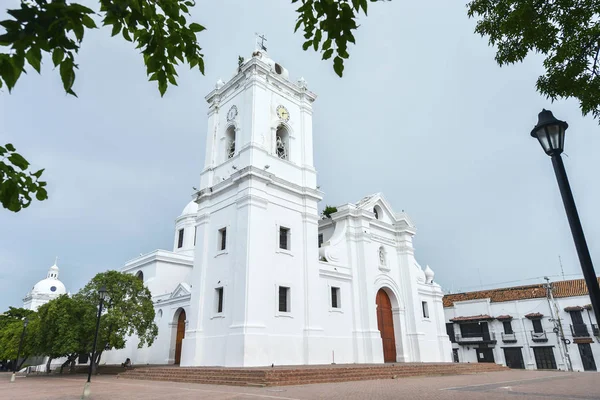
423,114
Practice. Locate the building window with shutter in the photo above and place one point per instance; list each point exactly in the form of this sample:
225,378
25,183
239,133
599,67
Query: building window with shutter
425,309
284,238
335,297
320,239
222,239
537,325
219,300
284,299
507,327
180,239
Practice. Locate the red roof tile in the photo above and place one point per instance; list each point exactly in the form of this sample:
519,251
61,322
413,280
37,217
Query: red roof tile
504,317
534,315
574,287
472,318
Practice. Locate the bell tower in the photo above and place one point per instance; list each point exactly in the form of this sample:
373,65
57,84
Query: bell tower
260,119
256,227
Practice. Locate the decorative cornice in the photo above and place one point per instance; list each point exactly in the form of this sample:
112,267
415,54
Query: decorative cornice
158,255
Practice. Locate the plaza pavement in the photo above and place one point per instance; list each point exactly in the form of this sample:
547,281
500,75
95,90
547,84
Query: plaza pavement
505,385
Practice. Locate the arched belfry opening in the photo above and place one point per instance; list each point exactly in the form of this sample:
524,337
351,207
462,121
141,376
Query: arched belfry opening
385,324
178,334
282,143
230,142
140,276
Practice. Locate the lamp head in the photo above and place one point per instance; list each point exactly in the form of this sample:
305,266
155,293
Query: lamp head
550,132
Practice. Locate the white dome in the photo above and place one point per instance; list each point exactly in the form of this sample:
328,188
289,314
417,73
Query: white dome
191,208
51,285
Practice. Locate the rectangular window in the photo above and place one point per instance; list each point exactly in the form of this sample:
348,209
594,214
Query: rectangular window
284,238
335,297
180,239
222,239
450,332
537,325
284,299
219,299
320,239
507,327
425,309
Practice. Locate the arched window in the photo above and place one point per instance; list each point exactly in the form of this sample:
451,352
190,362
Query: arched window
230,142
377,211
282,140
140,276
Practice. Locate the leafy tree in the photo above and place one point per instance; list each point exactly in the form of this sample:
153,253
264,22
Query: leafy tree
566,32
66,324
128,310
11,329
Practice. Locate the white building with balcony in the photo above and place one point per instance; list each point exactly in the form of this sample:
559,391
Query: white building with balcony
530,327
257,277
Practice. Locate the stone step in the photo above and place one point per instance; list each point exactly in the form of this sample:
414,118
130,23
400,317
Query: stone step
299,375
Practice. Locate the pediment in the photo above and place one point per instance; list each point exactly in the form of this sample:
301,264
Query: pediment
378,202
183,289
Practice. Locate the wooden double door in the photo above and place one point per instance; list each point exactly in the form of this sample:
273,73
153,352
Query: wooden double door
180,336
385,324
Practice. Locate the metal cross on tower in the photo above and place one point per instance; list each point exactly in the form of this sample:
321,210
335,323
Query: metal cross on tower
261,45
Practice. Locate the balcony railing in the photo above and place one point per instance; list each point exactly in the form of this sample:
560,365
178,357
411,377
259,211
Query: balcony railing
539,336
509,337
470,338
580,330
595,330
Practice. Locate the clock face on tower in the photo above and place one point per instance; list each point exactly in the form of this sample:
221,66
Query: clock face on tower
232,113
283,113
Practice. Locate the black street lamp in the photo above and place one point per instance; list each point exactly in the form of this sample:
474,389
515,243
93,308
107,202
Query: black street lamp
86,388
551,134
25,323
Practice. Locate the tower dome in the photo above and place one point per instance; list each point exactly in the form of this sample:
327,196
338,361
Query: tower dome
190,208
45,290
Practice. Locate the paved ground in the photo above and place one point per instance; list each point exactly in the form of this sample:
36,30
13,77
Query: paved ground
505,385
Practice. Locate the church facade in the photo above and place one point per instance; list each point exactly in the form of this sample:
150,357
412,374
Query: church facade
257,277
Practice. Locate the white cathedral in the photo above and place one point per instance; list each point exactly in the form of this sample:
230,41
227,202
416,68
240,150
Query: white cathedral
256,277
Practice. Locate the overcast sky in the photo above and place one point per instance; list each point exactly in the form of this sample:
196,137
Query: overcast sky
422,114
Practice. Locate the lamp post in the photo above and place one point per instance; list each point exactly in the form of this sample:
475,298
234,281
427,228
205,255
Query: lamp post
550,132
86,388
13,376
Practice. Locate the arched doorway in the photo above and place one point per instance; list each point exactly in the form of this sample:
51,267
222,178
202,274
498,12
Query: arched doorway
180,335
385,324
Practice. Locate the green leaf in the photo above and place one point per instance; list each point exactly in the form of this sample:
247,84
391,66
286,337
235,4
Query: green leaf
34,58
67,74
38,174
338,66
327,54
126,34
306,45
57,56
194,27
18,161
10,147
116,29
88,22
41,194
